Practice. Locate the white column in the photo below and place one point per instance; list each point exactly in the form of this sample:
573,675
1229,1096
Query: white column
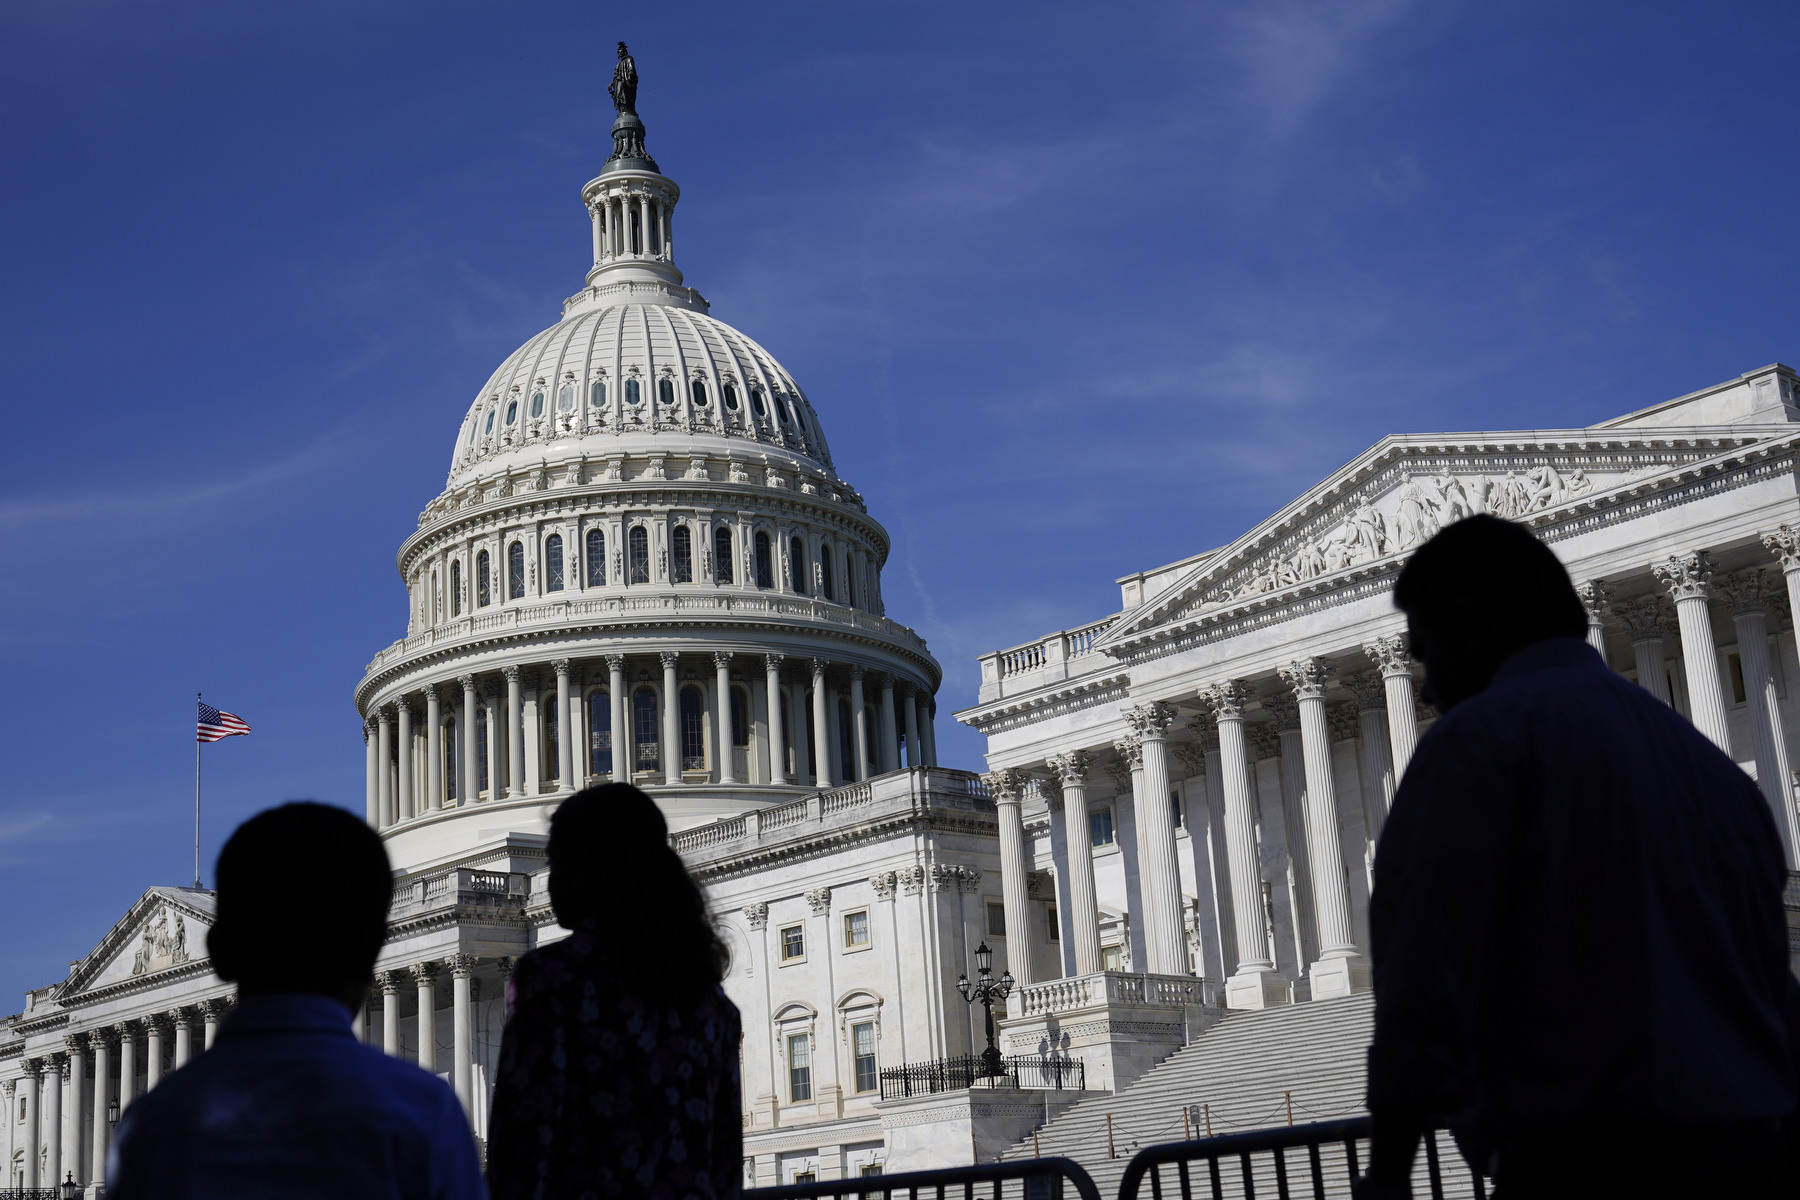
389,983
1645,618
515,734
371,782
1784,544
73,1105
35,1076
1256,983
928,727
1596,598
184,1037
470,786
404,800
821,728
594,217
434,749
1165,940
1390,655
910,709
384,756
890,741
127,1035
581,738
1286,711
102,1098
565,729
1006,787
461,966
1688,578
1341,968
424,976
209,1021
777,743
623,742
496,756
727,750
1084,914
1745,590
1378,776
671,722
52,1108
859,728
153,1035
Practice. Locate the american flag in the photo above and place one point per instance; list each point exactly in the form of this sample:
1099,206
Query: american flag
215,725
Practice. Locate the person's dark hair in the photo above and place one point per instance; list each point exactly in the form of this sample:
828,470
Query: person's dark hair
303,896
609,856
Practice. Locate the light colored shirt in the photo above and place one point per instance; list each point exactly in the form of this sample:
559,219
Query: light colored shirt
288,1103
1578,915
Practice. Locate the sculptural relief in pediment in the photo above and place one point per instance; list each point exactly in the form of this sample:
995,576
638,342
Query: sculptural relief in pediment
161,944
163,937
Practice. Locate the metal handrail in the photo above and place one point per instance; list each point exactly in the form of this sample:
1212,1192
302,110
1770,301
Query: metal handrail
1274,1143
1042,1179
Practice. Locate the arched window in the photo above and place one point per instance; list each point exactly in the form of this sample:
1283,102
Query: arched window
639,542
537,405
596,558
483,590
825,586
850,563
456,587
451,762
489,427
699,391
599,707
847,745
740,718
693,730
722,571
632,395
643,730
515,571
597,393
512,411
781,406
552,756
756,402
553,563
797,564
731,397
765,562
681,543
565,398
665,390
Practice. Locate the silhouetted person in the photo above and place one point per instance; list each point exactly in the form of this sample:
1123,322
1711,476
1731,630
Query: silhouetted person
1579,944
618,1069
288,1103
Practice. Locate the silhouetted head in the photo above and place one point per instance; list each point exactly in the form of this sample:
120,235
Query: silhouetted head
303,895
612,869
1477,593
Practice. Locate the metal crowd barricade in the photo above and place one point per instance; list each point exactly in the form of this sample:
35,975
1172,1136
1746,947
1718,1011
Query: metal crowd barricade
1023,1179
1311,1161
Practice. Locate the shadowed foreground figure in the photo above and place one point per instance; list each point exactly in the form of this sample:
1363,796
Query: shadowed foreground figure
618,1069
288,1103
1579,943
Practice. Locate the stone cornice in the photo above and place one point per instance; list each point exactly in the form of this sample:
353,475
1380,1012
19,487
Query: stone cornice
876,828
1070,695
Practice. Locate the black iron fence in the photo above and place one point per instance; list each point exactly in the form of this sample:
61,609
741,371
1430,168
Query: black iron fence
968,1070
1024,1179
1314,1161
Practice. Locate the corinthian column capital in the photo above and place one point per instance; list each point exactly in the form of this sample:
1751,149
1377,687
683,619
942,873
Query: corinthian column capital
1071,768
1131,751
1307,676
1228,698
1150,720
1687,576
1784,544
1389,655
1595,597
1007,785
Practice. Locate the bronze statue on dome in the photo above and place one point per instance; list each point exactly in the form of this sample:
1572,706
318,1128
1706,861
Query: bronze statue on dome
624,83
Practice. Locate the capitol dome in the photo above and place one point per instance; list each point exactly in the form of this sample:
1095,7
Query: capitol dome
643,567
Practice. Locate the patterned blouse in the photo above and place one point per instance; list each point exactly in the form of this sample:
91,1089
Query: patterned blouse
599,1094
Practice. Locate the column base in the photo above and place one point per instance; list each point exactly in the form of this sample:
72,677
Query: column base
1264,988
1346,976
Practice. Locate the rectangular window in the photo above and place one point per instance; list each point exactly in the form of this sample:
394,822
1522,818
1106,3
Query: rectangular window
1111,958
1100,827
868,1170
856,929
799,1046
862,1042
996,919
1050,919
805,1177
1737,678
793,943
1175,808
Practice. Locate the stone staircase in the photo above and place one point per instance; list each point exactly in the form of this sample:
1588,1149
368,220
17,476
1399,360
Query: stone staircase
1243,1073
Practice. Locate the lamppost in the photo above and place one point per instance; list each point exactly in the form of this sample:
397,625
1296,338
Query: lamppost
68,1187
987,990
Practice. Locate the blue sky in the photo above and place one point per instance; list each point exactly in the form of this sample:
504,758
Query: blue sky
1077,289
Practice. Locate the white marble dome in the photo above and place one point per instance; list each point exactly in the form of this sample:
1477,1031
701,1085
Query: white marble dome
656,371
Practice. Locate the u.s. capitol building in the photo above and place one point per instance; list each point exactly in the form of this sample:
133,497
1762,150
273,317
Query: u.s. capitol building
645,567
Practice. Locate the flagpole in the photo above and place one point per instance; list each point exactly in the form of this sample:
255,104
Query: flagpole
196,803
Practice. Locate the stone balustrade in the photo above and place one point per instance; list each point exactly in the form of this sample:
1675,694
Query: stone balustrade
1037,663
1112,988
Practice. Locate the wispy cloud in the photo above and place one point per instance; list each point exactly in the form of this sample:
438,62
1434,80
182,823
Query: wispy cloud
1296,53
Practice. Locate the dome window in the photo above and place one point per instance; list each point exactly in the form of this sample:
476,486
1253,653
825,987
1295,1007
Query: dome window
825,588
682,554
565,399
600,733
731,399
644,724
765,562
665,390
699,390
553,563
639,541
781,406
693,730
512,412
597,393
483,593
489,427
756,402
515,571
456,587
537,405
631,392
797,564
722,554
596,558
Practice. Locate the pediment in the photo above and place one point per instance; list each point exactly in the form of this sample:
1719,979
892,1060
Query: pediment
164,931
1375,510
